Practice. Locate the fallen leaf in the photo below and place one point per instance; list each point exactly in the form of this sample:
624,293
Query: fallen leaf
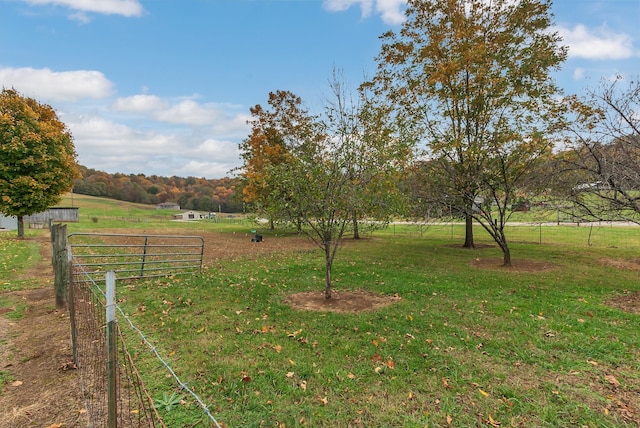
290,374
493,422
390,364
278,348
449,419
324,401
612,380
445,383
55,426
483,392
16,383
303,385
351,376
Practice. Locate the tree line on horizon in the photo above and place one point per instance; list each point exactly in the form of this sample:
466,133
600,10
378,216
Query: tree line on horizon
191,193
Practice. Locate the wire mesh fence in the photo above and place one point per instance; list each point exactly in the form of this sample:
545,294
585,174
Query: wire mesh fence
596,234
108,353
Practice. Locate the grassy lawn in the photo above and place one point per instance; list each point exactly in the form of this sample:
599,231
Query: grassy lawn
16,256
460,346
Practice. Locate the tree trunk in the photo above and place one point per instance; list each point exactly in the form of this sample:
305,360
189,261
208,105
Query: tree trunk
20,227
468,232
506,253
327,274
356,231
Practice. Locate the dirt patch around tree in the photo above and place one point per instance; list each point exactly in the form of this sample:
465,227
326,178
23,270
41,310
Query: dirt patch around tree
628,302
341,301
519,265
632,264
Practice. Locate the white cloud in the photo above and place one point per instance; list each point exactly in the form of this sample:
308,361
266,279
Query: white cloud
47,85
221,119
600,43
390,10
205,169
140,104
366,6
128,8
578,73
189,112
114,147
217,149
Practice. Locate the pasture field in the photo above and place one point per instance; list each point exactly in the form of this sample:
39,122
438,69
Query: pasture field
461,341
458,345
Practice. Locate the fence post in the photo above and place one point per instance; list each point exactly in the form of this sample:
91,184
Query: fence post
60,262
71,305
144,256
112,355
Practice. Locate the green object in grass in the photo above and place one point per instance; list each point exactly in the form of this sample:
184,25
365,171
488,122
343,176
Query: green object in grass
168,401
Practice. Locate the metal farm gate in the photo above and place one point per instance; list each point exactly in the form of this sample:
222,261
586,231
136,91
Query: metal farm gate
114,393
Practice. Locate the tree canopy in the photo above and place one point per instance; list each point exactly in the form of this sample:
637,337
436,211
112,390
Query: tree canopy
473,79
322,173
600,172
38,163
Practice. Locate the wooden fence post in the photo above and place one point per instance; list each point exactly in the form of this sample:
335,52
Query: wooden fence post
60,262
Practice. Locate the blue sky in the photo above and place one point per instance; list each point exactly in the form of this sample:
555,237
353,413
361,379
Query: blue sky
164,87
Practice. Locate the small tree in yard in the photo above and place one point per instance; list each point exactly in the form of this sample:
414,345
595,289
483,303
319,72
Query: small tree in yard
474,78
37,157
334,168
600,173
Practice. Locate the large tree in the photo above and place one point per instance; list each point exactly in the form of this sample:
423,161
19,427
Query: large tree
601,171
38,158
474,78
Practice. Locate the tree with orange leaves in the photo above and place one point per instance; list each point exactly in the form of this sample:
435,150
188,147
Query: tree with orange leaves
474,80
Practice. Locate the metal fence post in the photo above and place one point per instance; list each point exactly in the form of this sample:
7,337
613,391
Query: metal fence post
112,354
71,307
60,262
144,255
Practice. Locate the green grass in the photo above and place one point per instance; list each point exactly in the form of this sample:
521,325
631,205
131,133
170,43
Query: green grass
460,345
523,349
100,213
5,378
16,256
17,308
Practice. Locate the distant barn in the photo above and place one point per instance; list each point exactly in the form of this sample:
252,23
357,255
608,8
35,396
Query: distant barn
52,215
190,215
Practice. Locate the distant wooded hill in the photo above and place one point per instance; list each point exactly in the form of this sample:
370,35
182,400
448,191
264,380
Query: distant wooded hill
191,193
